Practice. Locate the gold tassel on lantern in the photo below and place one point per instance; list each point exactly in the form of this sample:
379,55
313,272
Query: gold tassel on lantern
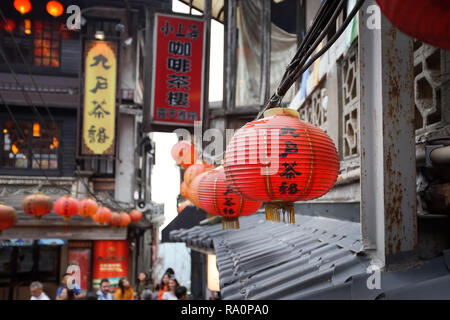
230,223
275,209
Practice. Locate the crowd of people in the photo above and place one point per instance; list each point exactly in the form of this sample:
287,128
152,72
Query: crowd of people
167,289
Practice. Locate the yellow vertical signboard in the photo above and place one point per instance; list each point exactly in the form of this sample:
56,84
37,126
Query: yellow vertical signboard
99,114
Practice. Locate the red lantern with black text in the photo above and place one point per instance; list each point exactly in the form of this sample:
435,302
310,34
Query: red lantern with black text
37,205
281,159
8,217
66,206
217,197
87,207
426,20
135,215
184,153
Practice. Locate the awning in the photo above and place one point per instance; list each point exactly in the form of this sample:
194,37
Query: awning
186,219
27,242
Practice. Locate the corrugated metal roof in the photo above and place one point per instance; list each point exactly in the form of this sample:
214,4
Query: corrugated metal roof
315,258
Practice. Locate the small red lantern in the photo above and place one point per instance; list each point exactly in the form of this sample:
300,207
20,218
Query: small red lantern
116,219
37,205
184,153
8,217
135,215
54,8
66,206
125,219
183,205
281,159
426,20
8,25
193,189
217,197
103,215
23,6
194,170
87,207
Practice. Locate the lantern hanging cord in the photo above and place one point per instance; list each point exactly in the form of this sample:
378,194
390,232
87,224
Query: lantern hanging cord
328,14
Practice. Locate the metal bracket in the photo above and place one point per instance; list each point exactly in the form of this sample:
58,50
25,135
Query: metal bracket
428,150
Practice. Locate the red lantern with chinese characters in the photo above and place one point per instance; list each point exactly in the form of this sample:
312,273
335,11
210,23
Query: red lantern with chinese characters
125,219
103,215
87,207
183,205
193,189
184,153
55,8
8,217
194,170
116,219
37,205
217,197
23,6
426,20
184,190
281,159
66,206
135,215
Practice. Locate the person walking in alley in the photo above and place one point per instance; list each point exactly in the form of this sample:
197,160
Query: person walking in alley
170,294
124,292
37,291
163,286
142,284
66,294
104,292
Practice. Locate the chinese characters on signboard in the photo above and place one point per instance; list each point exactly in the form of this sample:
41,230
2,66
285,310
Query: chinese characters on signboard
177,97
99,98
110,261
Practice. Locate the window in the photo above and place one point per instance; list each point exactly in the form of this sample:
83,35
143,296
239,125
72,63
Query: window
32,146
39,42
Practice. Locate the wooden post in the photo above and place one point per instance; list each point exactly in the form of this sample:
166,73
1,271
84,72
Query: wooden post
265,51
230,45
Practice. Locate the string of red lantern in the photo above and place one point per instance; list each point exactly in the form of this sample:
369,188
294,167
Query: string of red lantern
8,217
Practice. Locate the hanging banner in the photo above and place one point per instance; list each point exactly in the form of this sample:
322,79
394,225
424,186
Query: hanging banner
99,112
110,261
178,68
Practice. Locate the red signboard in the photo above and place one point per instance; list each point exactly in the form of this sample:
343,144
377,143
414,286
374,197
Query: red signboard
178,60
110,261
82,257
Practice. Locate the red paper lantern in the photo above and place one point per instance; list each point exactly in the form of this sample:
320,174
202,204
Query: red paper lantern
87,207
55,8
426,20
184,190
184,153
135,215
23,6
193,189
66,206
194,170
183,205
281,159
8,217
103,215
116,219
8,24
125,219
37,205
217,197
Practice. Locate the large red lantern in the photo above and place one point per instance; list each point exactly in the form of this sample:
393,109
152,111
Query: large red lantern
216,196
193,189
37,205
125,219
184,153
135,215
87,207
23,6
8,217
426,20
194,170
55,8
184,190
103,215
66,206
281,159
